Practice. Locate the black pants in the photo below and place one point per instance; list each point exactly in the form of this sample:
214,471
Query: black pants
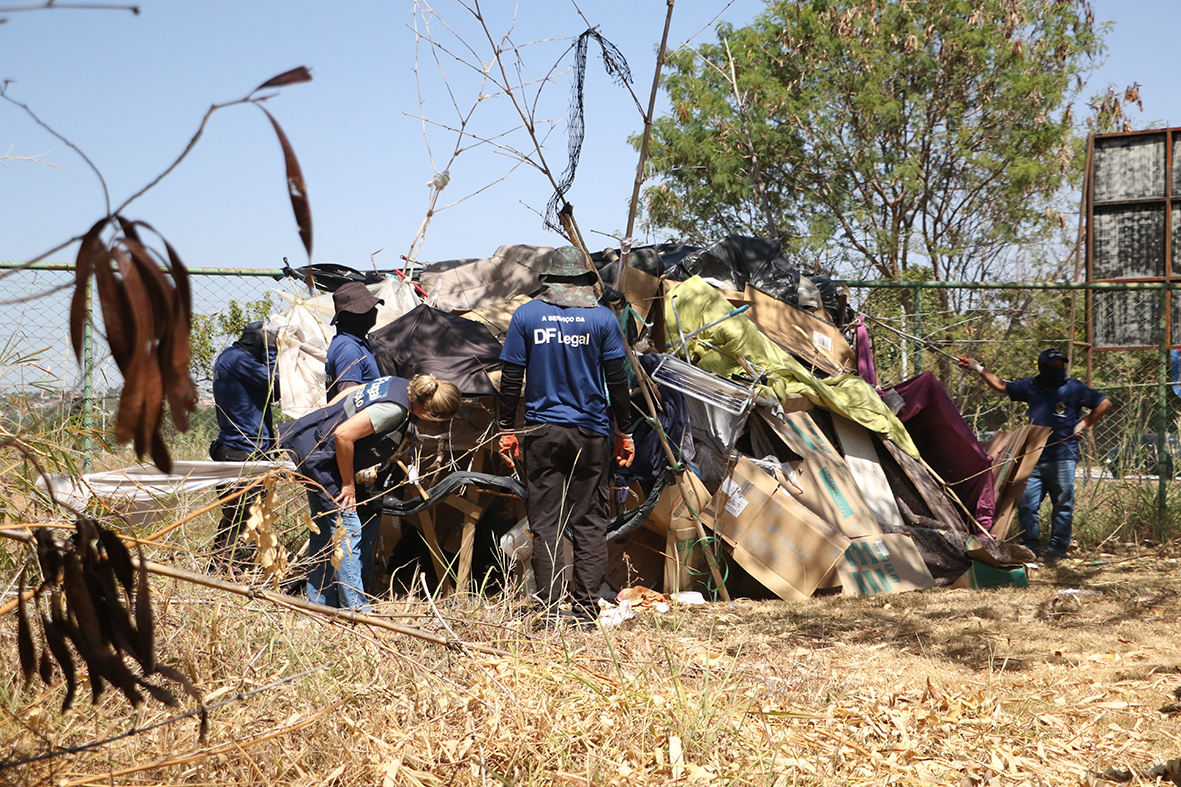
566,473
233,512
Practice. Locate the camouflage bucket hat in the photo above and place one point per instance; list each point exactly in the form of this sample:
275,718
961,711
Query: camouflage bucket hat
568,280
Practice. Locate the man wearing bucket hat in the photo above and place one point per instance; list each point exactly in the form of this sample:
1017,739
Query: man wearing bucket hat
349,363
569,352
1057,401
350,360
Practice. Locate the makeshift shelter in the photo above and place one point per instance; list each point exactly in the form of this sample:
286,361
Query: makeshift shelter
795,466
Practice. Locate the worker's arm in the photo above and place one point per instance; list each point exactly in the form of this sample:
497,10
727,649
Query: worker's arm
991,380
615,374
1094,417
347,434
511,378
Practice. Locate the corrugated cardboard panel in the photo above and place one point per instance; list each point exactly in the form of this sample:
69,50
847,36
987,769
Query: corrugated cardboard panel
1025,458
862,458
887,563
829,488
811,339
782,544
787,547
683,558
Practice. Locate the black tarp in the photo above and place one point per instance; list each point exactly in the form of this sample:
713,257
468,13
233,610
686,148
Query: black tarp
328,276
428,341
731,262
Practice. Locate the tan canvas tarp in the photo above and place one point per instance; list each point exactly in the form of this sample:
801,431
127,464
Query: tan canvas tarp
463,285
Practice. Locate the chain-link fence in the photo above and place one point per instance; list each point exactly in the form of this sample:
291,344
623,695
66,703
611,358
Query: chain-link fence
1129,460
1126,485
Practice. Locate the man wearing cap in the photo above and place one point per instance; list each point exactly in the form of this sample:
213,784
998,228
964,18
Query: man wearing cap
1056,401
569,352
350,360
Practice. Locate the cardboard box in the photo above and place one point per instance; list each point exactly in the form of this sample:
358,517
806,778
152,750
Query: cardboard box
829,487
886,563
683,558
782,544
742,494
638,561
814,341
982,575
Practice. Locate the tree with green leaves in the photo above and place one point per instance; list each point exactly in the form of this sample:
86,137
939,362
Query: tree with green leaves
879,138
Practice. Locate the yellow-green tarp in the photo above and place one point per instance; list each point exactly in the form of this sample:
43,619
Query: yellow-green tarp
698,303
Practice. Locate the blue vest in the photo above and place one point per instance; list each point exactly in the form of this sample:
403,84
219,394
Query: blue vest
312,439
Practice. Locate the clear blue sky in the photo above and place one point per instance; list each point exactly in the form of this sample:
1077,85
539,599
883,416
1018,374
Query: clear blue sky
130,91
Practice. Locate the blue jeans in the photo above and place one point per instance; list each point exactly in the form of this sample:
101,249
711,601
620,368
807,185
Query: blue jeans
326,585
1053,477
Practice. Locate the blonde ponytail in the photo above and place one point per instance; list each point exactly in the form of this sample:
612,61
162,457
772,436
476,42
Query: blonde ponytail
439,398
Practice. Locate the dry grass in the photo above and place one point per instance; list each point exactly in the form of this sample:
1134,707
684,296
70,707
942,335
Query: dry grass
1035,686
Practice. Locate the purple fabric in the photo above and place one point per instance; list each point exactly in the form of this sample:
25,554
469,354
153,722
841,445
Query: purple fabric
947,444
865,366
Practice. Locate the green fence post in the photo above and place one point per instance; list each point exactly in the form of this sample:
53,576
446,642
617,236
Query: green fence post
918,330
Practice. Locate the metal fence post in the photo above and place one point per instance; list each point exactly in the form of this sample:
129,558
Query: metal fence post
918,329
88,382
1162,419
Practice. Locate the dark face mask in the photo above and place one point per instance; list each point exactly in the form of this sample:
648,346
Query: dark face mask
1051,376
357,324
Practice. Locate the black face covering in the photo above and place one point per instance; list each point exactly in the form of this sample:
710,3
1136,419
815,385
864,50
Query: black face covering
1051,376
358,325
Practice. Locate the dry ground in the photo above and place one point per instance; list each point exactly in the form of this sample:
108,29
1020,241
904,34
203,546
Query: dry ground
1056,684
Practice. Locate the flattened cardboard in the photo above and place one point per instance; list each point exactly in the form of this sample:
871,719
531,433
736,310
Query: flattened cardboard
742,494
814,341
886,563
782,544
829,488
862,458
788,548
1022,456
683,558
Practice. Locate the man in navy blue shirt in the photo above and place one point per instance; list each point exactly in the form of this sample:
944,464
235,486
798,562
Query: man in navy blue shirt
349,363
1056,401
569,351
245,384
350,360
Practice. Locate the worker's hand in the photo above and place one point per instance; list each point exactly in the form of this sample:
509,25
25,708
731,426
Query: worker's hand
973,364
1081,427
510,449
625,450
347,499
367,475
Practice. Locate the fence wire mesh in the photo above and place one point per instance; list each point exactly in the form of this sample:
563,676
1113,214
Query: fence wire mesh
1126,477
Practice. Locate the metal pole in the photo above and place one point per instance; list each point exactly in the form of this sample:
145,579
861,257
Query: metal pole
1162,419
88,381
918,329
